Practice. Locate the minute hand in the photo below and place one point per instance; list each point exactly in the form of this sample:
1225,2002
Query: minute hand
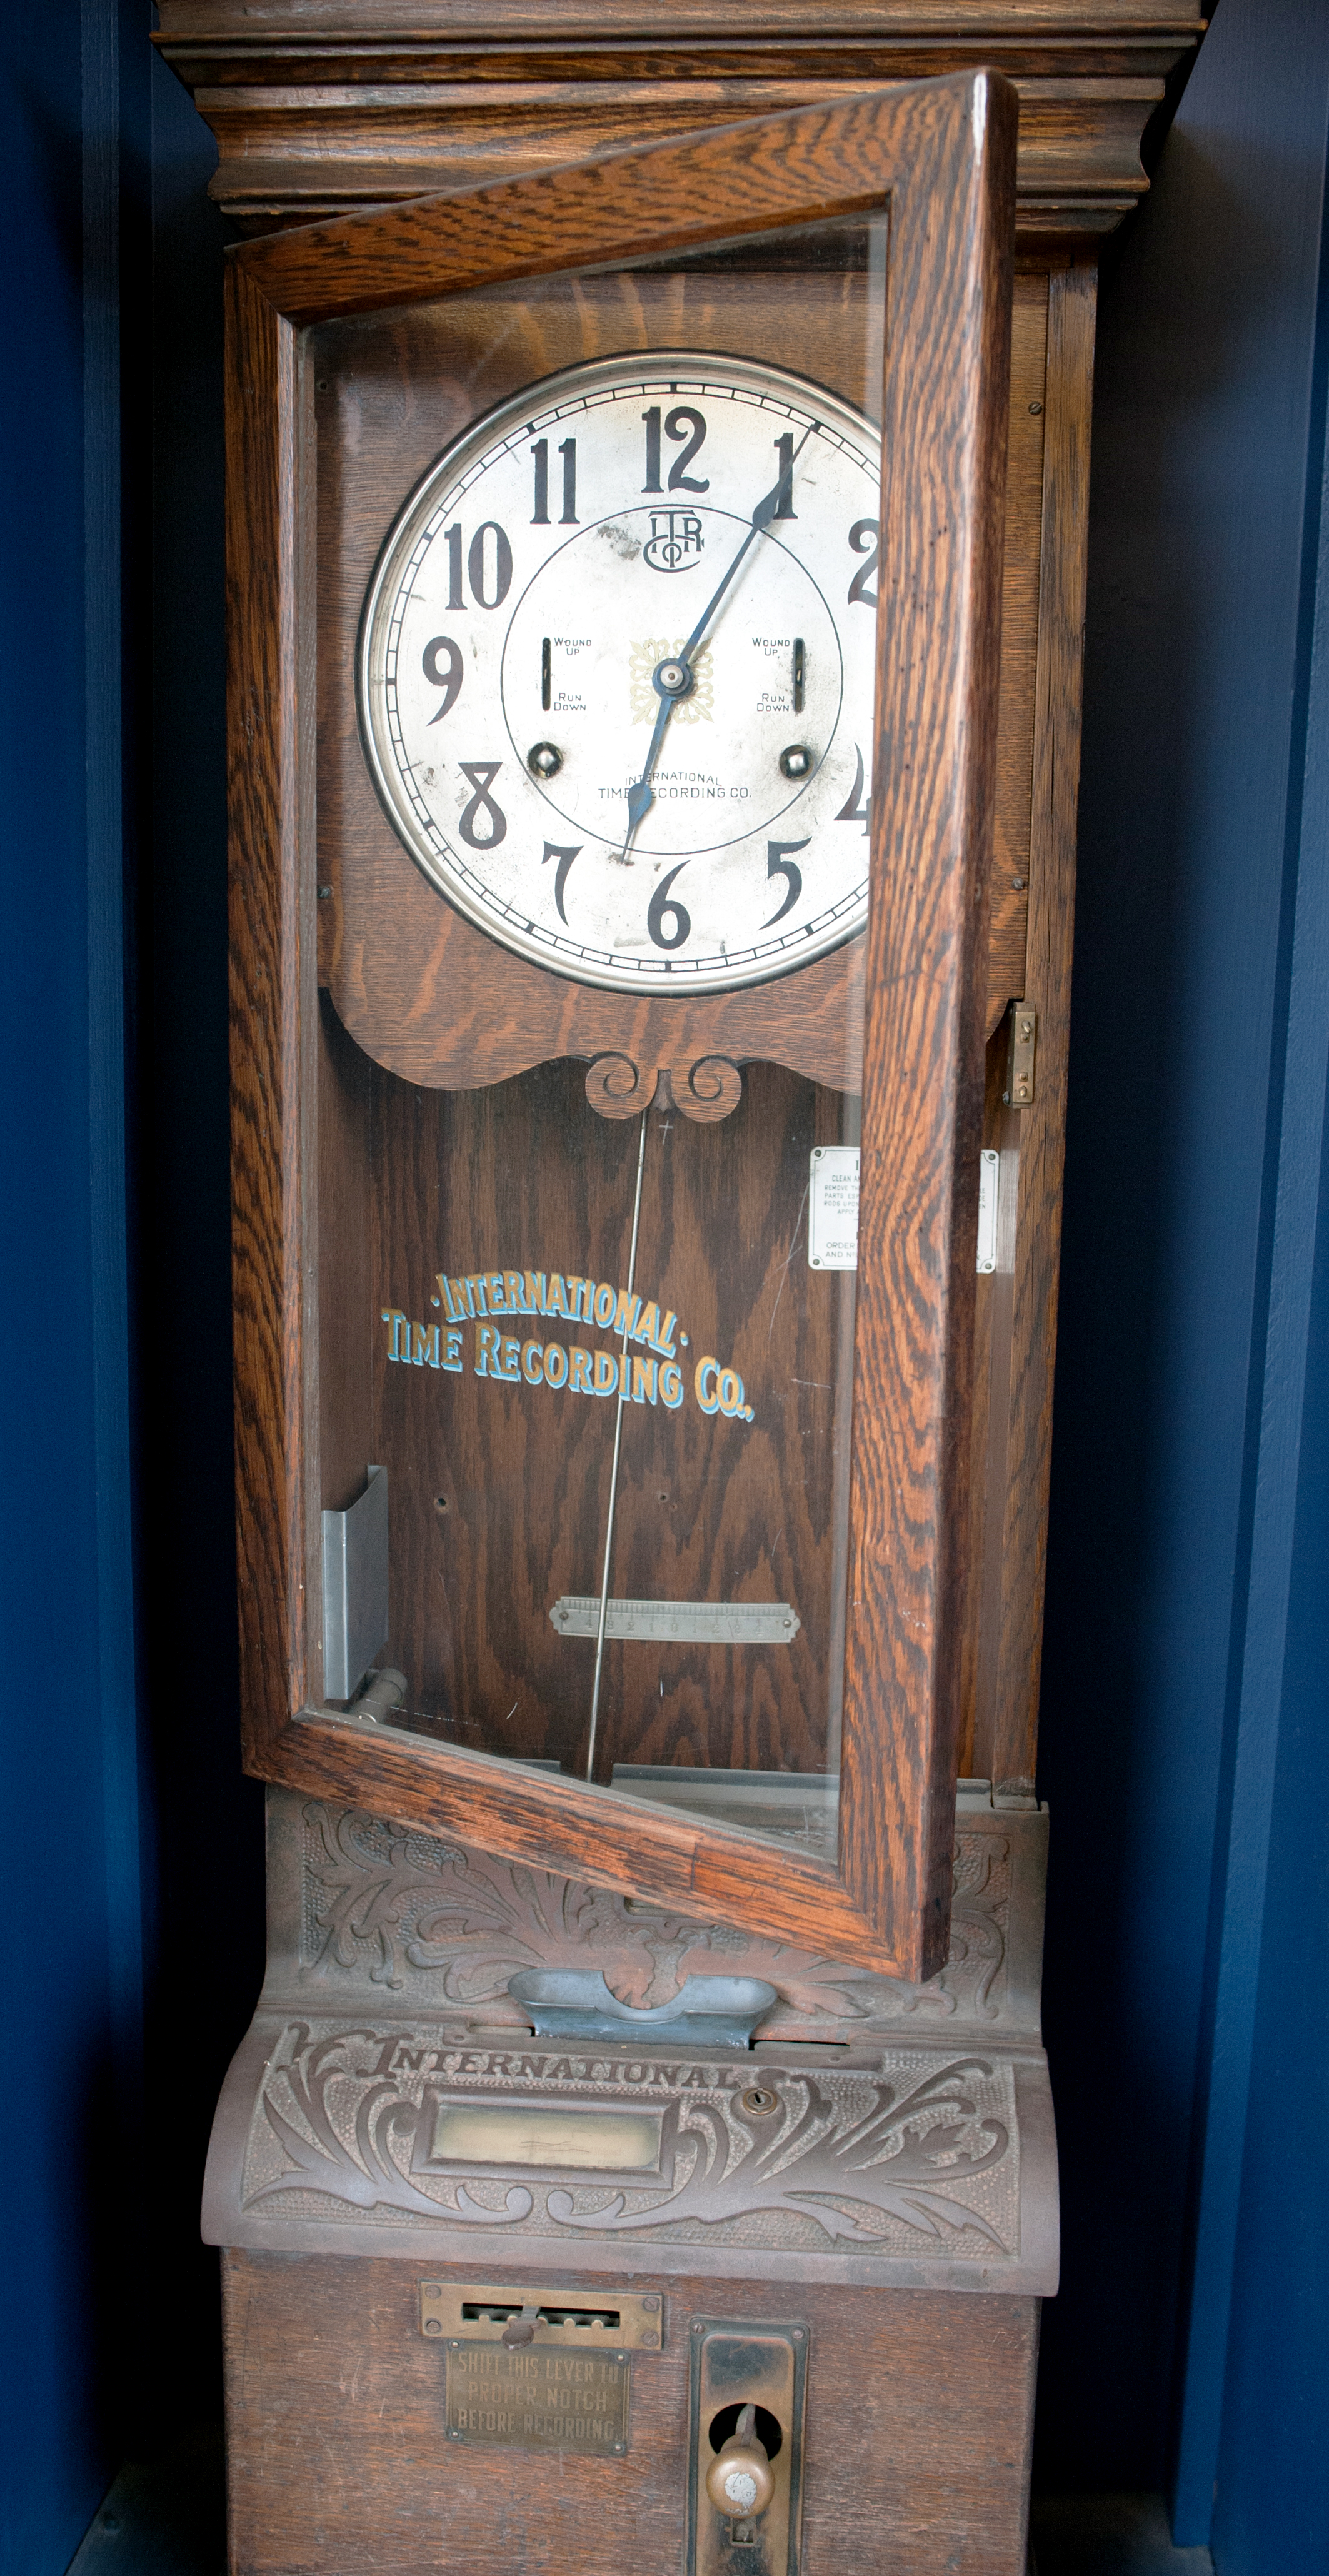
641,796
761,519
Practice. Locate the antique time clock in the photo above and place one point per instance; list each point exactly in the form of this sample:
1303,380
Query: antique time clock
639,758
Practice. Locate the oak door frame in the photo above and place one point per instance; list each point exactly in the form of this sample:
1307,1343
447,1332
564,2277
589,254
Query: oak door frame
941,155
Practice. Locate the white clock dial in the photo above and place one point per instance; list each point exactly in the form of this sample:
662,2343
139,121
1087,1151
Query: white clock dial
616,672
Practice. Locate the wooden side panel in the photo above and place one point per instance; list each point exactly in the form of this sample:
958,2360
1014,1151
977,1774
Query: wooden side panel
272,951
916,2453
1009,905
922,1105
1016,1661
347,1279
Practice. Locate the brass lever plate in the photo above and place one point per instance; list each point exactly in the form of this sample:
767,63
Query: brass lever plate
732,2364
601,2319
562,2381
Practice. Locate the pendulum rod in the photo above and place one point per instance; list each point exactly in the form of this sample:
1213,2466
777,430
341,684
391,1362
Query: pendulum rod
613,1473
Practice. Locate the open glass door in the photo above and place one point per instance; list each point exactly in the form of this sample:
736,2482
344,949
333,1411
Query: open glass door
615,575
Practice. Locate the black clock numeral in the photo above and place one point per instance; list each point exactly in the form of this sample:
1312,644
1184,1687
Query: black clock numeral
865,533
677,426
448,680
663,902
683,423
568,452
652,420
476,566
452,540
854,808
481,774
784,449
779,863
565,859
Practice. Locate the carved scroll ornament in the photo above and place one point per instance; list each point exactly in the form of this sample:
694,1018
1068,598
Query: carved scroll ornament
706,1090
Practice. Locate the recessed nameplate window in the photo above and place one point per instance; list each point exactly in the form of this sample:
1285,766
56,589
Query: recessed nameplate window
509,2133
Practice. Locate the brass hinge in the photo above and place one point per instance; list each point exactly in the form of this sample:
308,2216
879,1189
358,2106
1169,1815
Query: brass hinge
1019,1091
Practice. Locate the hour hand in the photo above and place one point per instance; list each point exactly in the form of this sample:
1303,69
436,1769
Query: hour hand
641,797
673,679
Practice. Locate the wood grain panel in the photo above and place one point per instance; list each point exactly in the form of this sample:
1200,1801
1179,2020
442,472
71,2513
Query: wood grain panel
1078,139
1009,883
272,951
624,205
926,944
320,113
604,1838
916,2440
348,1302
1047,985
465,23
499,1493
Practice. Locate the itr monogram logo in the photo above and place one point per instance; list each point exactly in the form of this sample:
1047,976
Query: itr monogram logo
675,540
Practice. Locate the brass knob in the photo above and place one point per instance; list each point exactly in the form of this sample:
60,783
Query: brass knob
739,2481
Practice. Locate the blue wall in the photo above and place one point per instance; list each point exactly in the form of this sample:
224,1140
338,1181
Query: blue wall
133,1860
1272,2476
1198,1073
71,1786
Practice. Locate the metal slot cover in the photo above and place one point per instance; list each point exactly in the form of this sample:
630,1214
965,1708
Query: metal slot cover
568,2320
576,2003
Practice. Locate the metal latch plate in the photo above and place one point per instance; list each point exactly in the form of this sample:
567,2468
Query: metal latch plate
733,2364
1019,1090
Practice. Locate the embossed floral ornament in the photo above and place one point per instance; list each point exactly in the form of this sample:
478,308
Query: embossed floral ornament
388,1901
351,2115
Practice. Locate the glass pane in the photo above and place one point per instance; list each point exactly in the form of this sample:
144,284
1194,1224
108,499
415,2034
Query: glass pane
596,635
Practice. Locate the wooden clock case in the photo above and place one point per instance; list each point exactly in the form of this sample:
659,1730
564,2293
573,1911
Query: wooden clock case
392,1945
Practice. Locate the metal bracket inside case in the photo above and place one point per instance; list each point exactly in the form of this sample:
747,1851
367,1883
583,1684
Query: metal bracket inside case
355,1587
707,2012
